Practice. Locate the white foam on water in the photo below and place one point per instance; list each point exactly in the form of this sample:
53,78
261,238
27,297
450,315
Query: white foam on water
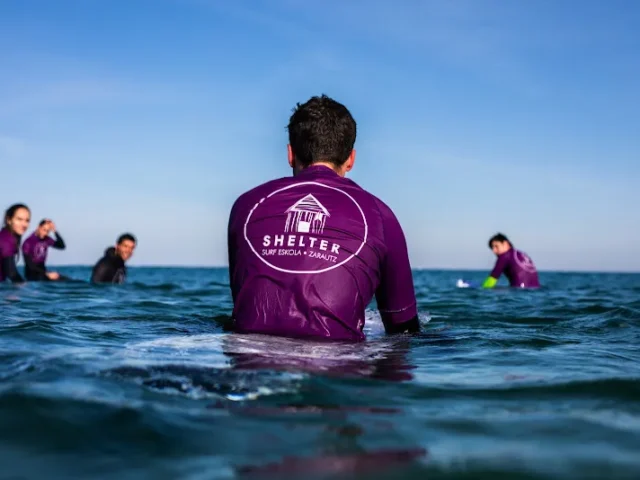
203,350
265,352
181,342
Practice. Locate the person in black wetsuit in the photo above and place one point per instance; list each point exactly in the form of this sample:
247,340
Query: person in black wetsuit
34,251
16,222
111,267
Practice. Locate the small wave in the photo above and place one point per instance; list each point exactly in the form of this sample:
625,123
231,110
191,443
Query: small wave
207,382
540,388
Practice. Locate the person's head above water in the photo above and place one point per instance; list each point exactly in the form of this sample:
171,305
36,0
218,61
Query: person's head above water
125,246
17,218
500,244
44,228
321,132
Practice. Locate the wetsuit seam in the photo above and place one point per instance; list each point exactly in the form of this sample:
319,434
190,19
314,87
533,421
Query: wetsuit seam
384,231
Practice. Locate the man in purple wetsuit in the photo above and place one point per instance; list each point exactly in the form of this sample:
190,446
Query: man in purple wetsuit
308,253
515,264
34,251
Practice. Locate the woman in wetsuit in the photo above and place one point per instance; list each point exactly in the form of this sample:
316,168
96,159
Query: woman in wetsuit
34,251
16,223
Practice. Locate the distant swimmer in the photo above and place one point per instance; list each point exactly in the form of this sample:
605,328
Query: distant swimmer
16,223
515,264
34,251
308,252
111,268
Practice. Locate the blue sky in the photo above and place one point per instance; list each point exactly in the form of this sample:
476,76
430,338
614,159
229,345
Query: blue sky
475,116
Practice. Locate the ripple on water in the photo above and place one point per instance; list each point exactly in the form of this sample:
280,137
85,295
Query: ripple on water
141,380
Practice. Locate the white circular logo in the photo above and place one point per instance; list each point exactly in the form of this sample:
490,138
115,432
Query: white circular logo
40,251
307,227
524,262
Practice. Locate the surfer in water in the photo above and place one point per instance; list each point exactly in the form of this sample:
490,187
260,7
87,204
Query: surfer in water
111,267
34,251
513,263
308,252
15,224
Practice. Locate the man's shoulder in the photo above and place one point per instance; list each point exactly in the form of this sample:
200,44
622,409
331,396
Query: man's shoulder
103,260
33,240
28,242
378,204
522,258
250,197
99,262
364,198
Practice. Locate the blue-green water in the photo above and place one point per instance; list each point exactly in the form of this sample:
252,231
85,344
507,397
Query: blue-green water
141,381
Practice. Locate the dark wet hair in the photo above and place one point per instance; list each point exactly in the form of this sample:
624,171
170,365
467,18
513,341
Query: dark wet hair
43,221
499,237
11,212
126,236
321,130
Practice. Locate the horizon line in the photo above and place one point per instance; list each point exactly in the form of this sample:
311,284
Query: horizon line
446,269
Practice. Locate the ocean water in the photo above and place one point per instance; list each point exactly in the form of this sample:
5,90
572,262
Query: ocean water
142,381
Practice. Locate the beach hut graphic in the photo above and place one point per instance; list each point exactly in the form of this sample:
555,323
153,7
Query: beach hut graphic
307,215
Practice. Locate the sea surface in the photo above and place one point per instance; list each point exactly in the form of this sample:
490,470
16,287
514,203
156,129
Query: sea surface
142,381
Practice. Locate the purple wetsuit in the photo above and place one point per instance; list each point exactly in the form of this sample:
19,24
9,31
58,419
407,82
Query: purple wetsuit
518,268
308,253
34,251
8,252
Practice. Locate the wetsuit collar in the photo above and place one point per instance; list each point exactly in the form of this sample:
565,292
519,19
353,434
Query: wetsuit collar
318,170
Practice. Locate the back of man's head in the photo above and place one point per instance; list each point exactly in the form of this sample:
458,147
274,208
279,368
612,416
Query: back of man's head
321,130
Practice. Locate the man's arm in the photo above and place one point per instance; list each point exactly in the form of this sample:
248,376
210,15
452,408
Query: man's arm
396,295
410,326
232,247
59,242
34,268
10,270
492,279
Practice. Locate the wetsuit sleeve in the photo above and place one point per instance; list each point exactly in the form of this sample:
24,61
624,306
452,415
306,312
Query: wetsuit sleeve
231,249
499,267
410,326
59,242
10,270
396,295
34,269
